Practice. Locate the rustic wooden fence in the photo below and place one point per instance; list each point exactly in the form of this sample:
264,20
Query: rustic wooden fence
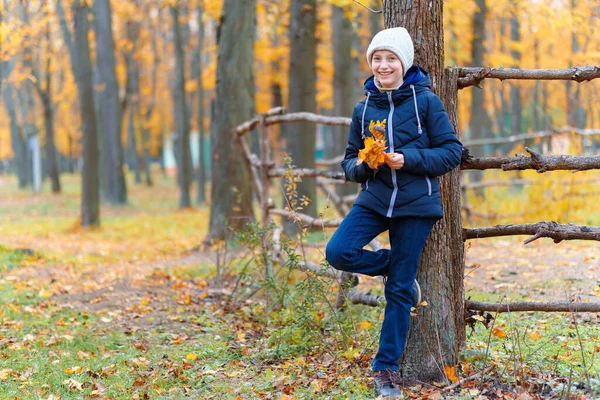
264,169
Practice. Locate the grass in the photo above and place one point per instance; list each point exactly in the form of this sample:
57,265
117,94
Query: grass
62,335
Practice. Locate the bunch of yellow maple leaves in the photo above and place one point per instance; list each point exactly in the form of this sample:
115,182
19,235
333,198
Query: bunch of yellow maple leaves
374,151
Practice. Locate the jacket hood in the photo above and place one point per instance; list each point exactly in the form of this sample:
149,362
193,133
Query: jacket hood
416,77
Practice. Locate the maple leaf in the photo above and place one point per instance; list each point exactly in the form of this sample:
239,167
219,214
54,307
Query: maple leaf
451,373
377,129
373,153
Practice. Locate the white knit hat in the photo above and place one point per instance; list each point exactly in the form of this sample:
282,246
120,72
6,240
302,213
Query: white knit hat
396,40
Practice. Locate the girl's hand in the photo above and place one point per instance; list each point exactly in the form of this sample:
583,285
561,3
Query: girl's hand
394,160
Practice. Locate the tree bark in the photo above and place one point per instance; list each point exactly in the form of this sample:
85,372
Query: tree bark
539,162
19,144
184,162
438,333
476,124
300,138
82,65
132,96
201,190
515,90
549,229
231,190
113,147
343,87
45,94
532,306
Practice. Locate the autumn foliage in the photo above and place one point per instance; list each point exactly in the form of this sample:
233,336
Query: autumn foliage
374,151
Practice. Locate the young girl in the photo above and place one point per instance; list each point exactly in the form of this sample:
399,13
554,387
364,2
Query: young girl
401,196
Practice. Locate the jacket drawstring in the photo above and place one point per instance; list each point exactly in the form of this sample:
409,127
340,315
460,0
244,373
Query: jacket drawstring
420,130
362,131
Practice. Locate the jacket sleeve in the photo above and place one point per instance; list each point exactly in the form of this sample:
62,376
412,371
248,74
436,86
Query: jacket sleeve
361,172
445,149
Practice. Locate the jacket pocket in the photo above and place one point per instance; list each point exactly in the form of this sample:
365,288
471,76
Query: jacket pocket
428,185
365,185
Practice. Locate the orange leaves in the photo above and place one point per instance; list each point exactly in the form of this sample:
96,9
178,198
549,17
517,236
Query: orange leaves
451,373
374,151
499,333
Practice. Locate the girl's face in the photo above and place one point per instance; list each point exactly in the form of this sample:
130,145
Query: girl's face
387,68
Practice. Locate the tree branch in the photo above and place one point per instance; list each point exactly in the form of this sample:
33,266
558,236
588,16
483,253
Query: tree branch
537,161
277,116
368,8
306,173
469,76
533,135
307,220
532,306
549,229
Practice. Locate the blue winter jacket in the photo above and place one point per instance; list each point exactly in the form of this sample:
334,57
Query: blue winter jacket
418,127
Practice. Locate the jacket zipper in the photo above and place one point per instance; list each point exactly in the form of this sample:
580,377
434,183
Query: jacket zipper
391,140
428,185
367,188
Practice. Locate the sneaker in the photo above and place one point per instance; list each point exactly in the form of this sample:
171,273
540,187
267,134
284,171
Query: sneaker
384,382
416,295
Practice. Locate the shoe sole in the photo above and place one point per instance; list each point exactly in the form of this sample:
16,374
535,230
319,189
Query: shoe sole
417,289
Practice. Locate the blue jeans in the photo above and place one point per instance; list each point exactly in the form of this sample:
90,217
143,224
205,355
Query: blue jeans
400,263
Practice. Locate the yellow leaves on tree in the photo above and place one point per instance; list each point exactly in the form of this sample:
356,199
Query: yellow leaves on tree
374,151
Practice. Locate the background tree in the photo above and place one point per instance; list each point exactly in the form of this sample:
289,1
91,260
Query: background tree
476,123
181,112
198,67
300,136
344,85
235,104
112,118
44,92
436,336
82,65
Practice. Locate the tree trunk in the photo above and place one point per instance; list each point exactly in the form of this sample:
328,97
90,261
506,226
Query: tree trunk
45,95
100,129
184,167
25,105
515,90
438,333
113,147
201,190
300,137
343,87
51,158
476,124
231,190
19,144
132,94
82,65
51,154
575,111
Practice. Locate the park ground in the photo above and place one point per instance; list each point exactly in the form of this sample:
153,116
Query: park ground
135,309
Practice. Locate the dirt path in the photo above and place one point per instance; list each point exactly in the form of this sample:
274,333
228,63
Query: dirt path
540,271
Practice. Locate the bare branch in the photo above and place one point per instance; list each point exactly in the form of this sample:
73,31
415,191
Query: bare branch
367,299
307,220
512,182
338,202
277,116
331,161
368,8
532,306
306,173
537,161
549,229
533,135
469,76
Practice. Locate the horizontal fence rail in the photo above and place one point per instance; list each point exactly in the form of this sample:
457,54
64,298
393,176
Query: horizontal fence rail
472,76
263,169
